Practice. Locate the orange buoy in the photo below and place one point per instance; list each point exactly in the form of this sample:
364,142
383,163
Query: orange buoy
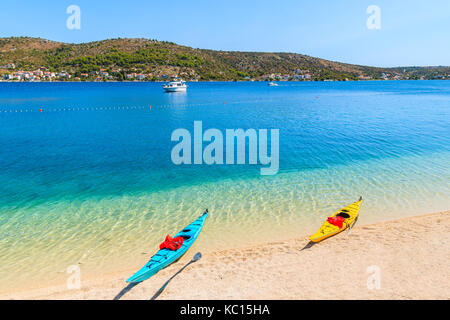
40,110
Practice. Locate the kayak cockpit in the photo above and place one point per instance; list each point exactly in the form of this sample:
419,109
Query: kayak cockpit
343,214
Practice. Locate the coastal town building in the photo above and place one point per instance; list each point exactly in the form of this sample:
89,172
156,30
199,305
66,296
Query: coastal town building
64,75
118,74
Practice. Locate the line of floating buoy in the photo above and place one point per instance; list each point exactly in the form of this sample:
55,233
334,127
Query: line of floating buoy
15,110
43,109
72,109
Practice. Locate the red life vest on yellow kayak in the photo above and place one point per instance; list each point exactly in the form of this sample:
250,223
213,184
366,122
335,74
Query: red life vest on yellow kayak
336,221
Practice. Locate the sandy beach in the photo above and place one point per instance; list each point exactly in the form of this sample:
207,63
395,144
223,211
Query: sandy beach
401,259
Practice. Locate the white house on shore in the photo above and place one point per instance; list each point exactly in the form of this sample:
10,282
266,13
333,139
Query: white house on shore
64,74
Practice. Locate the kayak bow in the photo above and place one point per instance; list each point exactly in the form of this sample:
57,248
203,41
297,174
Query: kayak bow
165,257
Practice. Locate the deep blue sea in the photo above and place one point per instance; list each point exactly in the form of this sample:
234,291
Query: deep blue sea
89,179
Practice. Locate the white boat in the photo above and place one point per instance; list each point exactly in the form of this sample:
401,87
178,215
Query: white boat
175,86
273,84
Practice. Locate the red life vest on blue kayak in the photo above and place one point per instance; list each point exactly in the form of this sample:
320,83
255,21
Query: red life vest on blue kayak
171,243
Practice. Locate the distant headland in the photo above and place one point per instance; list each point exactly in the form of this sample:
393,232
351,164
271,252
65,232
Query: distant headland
36,59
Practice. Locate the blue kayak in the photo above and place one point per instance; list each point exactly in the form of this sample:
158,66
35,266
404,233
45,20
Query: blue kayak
165,257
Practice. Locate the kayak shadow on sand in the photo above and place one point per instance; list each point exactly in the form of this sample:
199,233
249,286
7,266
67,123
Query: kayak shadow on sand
308,245
130,286
197,257
125,290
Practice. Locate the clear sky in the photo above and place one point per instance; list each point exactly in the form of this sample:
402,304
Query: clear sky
413,32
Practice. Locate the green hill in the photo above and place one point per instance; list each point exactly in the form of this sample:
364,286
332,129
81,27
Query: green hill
159,60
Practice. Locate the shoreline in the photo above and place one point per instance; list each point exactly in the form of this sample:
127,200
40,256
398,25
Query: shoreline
411,255
205,81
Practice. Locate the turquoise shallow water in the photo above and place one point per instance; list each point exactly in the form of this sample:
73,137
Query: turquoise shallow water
89,181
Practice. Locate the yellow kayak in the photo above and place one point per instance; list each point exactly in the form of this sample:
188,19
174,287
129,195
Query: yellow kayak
348,213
